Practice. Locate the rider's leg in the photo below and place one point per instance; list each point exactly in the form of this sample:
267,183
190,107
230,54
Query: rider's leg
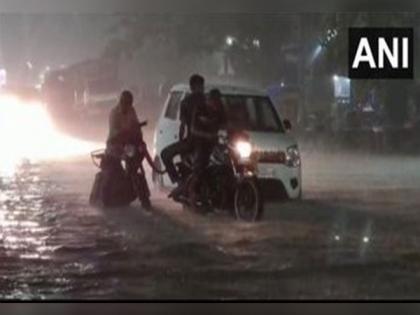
180,148
144,191
136,173
201,160
168,154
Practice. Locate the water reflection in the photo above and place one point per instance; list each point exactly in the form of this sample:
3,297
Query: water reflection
28,136
22,232
48,244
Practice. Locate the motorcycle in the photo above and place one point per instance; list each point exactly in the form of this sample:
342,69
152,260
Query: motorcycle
122,178
230,183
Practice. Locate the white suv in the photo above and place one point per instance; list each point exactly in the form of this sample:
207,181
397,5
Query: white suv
249,110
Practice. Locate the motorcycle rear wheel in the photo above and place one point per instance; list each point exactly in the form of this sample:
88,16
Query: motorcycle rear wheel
198,196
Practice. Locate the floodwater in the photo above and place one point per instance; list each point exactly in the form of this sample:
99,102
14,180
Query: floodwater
354,235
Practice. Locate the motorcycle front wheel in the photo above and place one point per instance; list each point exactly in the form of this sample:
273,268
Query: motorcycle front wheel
248,203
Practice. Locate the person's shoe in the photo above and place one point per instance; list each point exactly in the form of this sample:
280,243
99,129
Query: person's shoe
146,204
180,198
197,205
176,192
202,208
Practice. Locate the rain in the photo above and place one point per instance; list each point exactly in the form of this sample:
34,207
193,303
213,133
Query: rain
338,175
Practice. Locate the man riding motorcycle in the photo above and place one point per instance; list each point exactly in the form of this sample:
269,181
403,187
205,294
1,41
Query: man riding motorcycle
124,130
185,145
123,124
205,127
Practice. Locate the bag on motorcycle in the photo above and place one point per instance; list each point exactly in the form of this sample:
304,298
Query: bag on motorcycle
112,187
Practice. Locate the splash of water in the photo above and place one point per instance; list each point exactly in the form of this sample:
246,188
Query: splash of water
27,133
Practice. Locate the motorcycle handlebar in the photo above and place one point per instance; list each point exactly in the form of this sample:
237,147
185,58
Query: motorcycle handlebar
97,154
143,124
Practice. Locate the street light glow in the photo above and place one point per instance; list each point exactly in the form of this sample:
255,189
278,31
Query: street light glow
256,42
316,52
230,40
27,132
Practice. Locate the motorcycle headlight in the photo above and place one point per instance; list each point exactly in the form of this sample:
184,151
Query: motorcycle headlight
244,149
293,156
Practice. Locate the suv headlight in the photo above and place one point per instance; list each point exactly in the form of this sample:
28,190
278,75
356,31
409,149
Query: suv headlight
244,149
293,156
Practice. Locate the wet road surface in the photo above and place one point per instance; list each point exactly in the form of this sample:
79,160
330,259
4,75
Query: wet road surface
354,235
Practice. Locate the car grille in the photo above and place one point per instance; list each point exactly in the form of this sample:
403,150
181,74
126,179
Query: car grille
270,157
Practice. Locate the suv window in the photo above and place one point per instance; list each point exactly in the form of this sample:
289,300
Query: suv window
173,105
267,116
253,113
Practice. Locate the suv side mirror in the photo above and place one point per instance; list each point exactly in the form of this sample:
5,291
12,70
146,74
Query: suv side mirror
287,125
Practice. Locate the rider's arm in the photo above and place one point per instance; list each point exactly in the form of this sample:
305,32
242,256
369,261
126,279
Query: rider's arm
134,115
202,134
216,118
183,118
199,133
207,120
181,131
136,122
113,125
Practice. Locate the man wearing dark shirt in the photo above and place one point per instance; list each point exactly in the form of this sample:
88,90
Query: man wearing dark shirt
193,103
185,144
205,126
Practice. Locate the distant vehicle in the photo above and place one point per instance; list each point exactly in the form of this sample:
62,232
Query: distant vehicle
99,104
250,111
24,93
88,88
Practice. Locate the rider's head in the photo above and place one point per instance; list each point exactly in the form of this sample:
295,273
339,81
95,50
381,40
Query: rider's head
215,99
126,101
197,83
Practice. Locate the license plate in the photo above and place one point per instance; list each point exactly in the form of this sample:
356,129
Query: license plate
266,172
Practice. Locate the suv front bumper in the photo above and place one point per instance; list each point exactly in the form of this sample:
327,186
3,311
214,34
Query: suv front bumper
279,178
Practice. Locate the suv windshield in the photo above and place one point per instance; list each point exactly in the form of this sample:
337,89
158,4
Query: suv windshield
253,113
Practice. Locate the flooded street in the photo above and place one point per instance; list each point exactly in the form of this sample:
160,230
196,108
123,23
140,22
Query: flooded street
354,235
321,107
